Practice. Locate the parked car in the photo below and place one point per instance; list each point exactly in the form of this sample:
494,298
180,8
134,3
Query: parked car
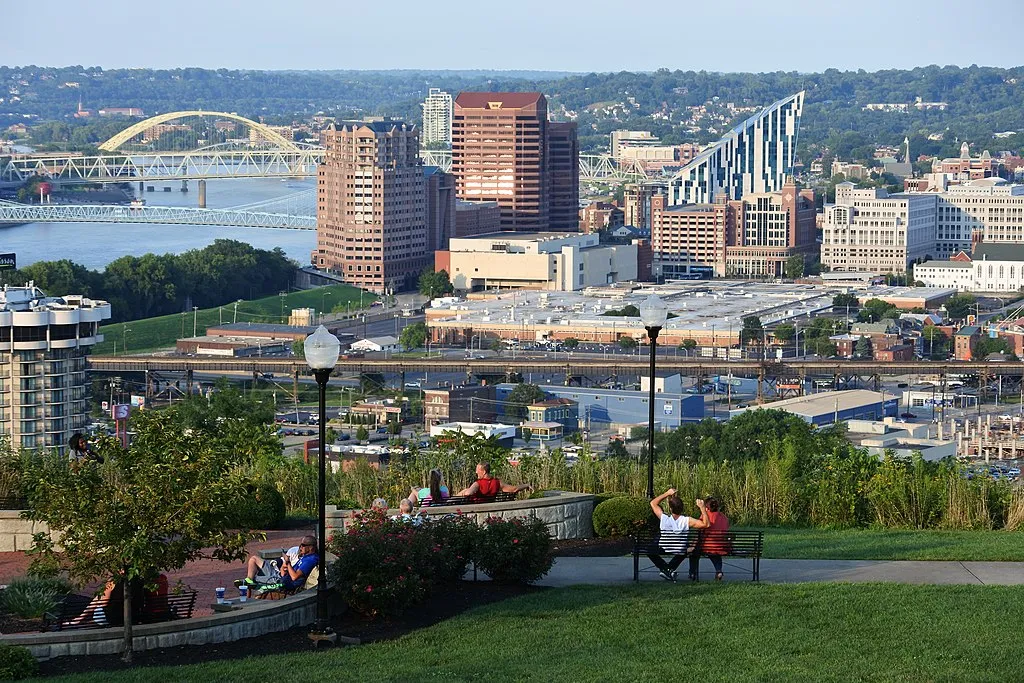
343,437
382,430
413,385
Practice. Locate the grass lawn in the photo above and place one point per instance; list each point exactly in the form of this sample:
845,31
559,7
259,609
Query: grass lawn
150,334
896,544
734,632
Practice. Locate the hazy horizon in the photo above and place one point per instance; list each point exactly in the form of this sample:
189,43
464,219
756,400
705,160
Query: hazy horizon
730,36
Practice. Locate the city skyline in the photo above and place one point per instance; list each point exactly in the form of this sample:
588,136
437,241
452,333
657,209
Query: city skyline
563,42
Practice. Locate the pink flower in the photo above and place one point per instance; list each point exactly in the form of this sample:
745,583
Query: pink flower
515,540
369,589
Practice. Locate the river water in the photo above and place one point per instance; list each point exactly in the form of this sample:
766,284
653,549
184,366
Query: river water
94,245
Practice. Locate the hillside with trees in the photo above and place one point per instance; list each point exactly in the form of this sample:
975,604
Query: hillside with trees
678,106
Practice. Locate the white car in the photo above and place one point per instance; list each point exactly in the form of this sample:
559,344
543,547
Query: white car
413,385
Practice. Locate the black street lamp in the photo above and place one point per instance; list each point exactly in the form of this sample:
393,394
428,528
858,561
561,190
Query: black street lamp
321,349
653,314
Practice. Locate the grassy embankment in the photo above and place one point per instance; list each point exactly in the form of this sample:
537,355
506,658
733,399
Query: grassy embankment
803,632
161,332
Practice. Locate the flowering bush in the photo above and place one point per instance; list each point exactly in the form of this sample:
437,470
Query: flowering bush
454,538
383,565
516,550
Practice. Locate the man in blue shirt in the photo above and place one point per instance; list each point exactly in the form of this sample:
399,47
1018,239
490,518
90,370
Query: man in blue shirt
286,573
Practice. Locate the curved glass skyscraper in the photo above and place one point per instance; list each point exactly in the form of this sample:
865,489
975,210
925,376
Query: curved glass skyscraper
754,157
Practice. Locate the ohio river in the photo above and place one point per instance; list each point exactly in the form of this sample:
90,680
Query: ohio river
94,245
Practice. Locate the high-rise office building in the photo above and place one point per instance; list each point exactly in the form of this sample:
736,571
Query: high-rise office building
437,119
563,176
873,231
499,154
372,205
754,157
750,237
441,204
44,342
505,150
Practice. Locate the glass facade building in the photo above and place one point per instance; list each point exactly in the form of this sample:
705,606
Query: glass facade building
755,157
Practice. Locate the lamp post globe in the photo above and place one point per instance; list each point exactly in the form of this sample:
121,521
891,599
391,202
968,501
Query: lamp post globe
321,350
653,314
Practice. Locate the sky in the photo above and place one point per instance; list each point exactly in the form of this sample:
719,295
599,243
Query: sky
551,35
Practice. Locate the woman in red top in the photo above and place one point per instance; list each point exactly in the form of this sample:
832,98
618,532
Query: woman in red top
713,542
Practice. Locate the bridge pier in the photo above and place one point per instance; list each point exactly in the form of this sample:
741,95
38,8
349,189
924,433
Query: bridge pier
202,194
142,186
184,186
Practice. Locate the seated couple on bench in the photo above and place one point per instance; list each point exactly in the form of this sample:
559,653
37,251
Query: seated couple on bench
675,538
287,574
485,489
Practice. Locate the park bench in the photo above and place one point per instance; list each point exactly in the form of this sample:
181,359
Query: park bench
154,609
743,544
501,497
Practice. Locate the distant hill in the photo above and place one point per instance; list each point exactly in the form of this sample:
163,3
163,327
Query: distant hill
977,102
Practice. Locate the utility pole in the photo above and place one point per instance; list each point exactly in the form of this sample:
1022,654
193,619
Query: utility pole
195,321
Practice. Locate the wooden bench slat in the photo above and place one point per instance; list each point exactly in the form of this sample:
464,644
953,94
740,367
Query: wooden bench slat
154,609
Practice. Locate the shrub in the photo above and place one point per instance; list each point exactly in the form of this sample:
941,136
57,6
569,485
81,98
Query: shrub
602,497
622,516
455,538
346,504
16,663
32,597
264,508
516,550
383,564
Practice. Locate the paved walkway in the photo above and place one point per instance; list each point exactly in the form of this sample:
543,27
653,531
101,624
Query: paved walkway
571,571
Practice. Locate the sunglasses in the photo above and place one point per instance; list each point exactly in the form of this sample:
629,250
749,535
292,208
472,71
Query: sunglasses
305,545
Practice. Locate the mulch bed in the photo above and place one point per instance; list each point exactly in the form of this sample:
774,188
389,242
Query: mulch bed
442,604
593,547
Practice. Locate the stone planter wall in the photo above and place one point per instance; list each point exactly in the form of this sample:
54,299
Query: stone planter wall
568,515
15,532
256,618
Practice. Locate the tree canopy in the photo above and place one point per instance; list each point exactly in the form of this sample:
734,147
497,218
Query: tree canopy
434,284
522,396
413,336
165,501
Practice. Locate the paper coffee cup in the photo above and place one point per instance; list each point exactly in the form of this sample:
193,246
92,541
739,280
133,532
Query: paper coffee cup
243,593
220,595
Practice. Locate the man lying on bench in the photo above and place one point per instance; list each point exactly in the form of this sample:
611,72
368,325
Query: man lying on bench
286,573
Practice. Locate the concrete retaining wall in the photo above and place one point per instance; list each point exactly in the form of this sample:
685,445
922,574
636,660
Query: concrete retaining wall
256,618
15,532
568,515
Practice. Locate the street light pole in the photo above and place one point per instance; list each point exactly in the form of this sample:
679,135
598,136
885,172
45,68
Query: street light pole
653,314
321,351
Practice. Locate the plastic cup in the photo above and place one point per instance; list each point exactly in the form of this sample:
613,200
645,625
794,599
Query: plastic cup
220,595
243,593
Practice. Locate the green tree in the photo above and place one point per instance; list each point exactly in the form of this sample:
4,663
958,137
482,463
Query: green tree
299,349
571,343
821,346
959,306
752,331
362,434
875,310
152,508
627,343
434,284
784,332
843,300
795,266
936,342
989,345
522,396
862,349
688,345
413,336
527,434
330,435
